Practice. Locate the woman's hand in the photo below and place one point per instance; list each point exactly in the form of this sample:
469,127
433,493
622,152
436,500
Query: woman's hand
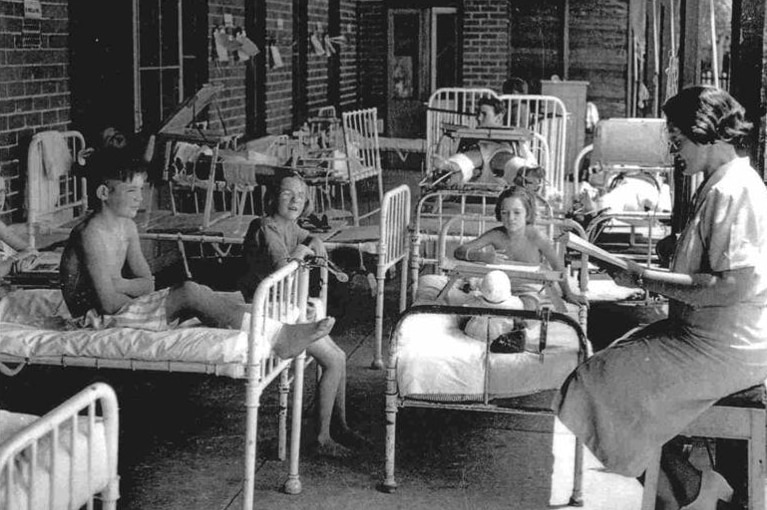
630,277
576,299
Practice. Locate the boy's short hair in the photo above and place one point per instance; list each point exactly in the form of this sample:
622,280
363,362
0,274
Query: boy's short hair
496,104
113,164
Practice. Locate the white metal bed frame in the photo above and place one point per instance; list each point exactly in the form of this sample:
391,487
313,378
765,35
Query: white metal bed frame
391,248
51,203
615,162
545,116
394,401
469,226
277,297
25,443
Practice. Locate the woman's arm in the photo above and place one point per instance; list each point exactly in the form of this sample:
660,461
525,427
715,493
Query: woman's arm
550,254
473,251
701,289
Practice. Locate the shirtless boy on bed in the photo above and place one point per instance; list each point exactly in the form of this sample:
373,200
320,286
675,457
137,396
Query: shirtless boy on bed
107,282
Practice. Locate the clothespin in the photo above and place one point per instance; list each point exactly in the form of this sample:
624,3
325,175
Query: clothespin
329,49
319,50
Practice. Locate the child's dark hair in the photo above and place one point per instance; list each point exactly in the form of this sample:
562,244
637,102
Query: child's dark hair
707,114
515,85
496,104
525,196
112,164
273,196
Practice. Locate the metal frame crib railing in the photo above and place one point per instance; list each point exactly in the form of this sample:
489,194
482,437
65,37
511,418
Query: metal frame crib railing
545,116
34,455
52,200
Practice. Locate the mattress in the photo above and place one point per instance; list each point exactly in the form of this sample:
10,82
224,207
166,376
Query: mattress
67,459
437,361
34,324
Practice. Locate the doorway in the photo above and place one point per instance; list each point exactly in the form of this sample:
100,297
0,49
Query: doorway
422,56
134,61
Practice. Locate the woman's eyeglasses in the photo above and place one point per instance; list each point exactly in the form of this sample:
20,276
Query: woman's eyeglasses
286,194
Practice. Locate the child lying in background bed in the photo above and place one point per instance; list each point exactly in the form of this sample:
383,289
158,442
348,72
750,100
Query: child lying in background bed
107,282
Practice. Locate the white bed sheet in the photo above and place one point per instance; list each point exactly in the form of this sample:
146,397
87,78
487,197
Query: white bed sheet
438,361
10,423
33,325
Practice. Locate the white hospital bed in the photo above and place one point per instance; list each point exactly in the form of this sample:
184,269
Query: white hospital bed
434,364
65,459
33,331
626,155
544,116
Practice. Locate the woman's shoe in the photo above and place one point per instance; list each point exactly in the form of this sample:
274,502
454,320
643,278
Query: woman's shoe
713,487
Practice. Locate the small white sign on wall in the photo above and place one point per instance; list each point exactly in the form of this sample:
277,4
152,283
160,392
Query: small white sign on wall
33,9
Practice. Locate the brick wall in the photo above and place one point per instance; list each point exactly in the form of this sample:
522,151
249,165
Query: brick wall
485,43
317,66
371,53
536,41
279,81
231,101
348,53
34,88
598,52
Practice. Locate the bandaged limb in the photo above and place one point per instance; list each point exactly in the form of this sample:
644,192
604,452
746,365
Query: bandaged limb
462,165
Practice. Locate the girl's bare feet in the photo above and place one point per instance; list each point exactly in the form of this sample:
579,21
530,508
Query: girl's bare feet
293,339
330,448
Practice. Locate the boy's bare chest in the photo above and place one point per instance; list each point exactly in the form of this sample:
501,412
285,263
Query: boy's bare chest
115,245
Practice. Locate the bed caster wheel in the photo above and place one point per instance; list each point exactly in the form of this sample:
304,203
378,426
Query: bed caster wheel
377,364
575,502
387,488
292,486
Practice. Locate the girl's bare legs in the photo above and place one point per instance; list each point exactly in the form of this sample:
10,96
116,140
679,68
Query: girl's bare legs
331,394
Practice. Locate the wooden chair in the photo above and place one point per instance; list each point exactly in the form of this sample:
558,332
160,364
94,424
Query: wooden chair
738,416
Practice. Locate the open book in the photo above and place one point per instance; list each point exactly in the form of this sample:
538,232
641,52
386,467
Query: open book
598,255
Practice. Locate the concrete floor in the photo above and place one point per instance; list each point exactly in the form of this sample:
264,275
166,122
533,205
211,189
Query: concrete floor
182,441
181,438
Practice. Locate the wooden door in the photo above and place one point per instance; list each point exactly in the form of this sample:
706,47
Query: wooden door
423,56
408,73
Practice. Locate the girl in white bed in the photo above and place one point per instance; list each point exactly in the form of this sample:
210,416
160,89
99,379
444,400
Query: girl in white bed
518,240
